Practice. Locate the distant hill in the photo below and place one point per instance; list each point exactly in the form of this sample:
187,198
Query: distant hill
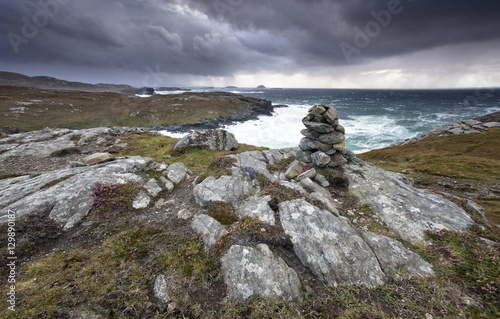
47,82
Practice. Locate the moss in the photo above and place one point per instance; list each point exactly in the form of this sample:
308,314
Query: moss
197,160
280,166
252,231
65,152
222,212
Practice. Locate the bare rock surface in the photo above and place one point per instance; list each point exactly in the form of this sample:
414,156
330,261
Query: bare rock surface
407,210
329,246
208,228
229,189
257,271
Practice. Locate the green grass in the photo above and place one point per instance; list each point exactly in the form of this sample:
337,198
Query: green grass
200,161
470,156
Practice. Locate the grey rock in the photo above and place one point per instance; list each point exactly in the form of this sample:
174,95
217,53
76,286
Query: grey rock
208,228
393,256
328,246
310,173
161,289
491,124
317,110
142,200
317,192
257,207
320,159
229,189
294,169
319,127
258,272
322,146
184,214
304,156
310,134
408,211
69,199
331,114
97,158
340,128
332,138
321,179
152,187
212,139
471,122
252,164
177,172
337,160
38,148
307,144
166,184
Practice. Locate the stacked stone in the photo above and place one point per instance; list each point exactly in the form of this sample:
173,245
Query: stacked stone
324,141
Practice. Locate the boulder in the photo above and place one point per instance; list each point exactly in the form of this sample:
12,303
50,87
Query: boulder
208,228
212,139
152,187
406,210
328,246
177,172
257,271
331,114
142,200
337,160
229,189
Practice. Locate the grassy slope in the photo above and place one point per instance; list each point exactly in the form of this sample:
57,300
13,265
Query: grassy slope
75,109
461,164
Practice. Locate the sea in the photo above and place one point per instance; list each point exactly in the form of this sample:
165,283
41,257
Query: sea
373,119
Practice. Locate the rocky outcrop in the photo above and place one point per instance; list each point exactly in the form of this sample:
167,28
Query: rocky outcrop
212,139
461,127
406,210
258,272
329,246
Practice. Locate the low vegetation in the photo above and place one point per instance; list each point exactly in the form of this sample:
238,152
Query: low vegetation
78,109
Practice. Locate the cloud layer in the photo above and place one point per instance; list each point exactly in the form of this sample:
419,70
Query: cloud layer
329,42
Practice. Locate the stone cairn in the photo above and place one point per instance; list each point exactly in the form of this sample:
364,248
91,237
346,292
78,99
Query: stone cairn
324,141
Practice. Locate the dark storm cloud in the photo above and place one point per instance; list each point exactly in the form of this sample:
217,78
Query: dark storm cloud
223,37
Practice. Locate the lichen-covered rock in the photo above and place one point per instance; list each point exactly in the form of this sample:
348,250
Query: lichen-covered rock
152,187
328,246
212,139
142,200
253,164
406,210
208,228
67,193
229,189
393,256
257,207
177,172
257,271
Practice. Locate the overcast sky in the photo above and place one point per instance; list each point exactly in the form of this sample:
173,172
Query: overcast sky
277,43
